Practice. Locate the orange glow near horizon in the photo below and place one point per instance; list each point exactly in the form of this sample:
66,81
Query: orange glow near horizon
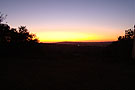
49,37
71,20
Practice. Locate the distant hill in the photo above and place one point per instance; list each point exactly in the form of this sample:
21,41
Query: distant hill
103,44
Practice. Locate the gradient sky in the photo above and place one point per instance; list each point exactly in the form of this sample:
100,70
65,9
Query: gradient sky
71,20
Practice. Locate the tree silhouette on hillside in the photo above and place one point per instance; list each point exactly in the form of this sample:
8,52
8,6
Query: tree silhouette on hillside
2,17
10,35
129,34
123,46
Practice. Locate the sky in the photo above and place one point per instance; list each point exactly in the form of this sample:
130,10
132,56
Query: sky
71,20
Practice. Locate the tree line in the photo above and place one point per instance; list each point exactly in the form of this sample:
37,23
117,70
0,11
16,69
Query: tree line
19,36
129,34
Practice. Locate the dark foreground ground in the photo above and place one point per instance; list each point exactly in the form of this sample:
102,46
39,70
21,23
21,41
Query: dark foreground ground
63,67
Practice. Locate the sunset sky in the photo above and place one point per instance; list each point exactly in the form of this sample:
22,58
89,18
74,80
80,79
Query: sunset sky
71,20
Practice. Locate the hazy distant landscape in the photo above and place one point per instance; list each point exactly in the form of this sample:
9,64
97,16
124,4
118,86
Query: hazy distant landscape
102,44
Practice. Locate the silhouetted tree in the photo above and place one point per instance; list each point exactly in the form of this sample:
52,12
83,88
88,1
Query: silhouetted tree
4,33
119,38
13,36
123,47
129,34
2,17
24,36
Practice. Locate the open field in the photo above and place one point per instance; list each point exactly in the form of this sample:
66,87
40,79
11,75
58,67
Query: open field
62,67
